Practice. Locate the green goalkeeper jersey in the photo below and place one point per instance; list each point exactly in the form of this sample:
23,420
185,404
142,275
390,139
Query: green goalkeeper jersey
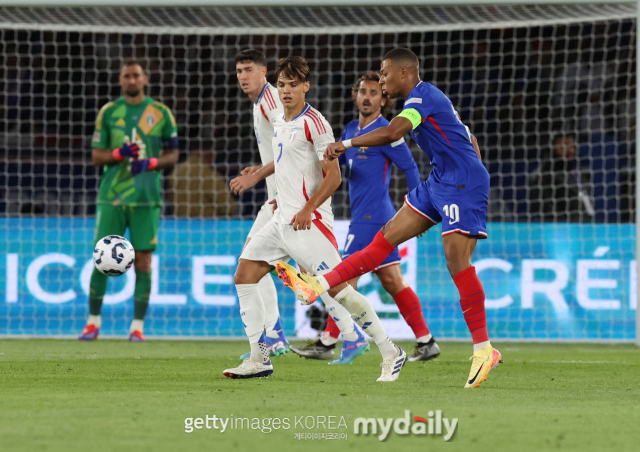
152,126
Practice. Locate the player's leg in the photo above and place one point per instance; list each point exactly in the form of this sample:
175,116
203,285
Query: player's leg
410,308
414,218
143,223
255,262
316,248
110,220
276,339
466,222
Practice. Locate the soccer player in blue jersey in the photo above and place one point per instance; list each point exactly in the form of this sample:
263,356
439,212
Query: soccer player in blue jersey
456,194
369,174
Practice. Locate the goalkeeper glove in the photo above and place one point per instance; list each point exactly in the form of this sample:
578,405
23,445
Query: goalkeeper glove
138,166
127,150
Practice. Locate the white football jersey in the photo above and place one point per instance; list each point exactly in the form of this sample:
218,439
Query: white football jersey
265,111
299,147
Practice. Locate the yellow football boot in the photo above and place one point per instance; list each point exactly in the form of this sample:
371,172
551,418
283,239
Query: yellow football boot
483,361
306,287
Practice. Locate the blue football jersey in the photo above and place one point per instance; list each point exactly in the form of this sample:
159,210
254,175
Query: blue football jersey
440,133
369,174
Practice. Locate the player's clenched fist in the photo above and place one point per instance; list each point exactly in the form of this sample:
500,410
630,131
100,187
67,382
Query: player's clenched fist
302,220
126,151
334,150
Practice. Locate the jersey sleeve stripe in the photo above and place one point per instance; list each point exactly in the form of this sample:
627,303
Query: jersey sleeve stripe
321,128
270,100
263,113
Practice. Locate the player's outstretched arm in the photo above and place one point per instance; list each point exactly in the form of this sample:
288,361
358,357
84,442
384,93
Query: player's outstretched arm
396,129
330,183
248,179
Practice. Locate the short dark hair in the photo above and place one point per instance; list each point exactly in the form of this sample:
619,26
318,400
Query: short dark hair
402,55
128,63
294,67
372,76
251,55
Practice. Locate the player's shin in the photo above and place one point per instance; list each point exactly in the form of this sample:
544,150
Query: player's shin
472,304
341,316
365,316
252,314
140,300
358,263
97,289
270,299
409,306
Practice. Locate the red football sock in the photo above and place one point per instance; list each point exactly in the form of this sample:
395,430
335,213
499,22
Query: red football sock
360,262
472,303
332,328
411,309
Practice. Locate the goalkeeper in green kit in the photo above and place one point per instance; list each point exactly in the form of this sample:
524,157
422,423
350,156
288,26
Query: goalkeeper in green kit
135,137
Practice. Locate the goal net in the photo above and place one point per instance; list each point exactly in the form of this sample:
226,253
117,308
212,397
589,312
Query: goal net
548,90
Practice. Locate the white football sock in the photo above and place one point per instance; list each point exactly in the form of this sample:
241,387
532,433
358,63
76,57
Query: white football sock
327,339
424,339
480,346
252,314
323,282
270,299
341,316
137,325
95,320
365,316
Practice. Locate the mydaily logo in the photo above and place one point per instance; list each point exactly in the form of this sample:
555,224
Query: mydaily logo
434,424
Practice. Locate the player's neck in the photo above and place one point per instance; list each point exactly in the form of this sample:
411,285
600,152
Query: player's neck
293,111
411,83
364,121
135,100
254,96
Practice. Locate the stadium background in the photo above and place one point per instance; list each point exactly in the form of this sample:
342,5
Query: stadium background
516,87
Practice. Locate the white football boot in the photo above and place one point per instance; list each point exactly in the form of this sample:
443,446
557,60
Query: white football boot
250,369
391,367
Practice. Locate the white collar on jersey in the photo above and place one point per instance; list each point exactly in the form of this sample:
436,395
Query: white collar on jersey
304,111
264,88
419,83
379,116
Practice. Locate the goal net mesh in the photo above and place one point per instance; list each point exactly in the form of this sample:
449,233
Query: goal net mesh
548,90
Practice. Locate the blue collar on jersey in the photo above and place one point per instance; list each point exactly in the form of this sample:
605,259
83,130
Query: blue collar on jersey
304,111
372,122
262,92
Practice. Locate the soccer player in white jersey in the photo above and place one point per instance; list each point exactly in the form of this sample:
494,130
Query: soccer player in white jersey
251,70
301,227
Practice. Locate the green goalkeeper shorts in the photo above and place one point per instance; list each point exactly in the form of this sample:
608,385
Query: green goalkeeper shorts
142,222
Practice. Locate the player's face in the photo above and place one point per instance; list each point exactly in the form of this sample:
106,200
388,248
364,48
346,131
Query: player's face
369,99
133,80
391,79
291,91
251,77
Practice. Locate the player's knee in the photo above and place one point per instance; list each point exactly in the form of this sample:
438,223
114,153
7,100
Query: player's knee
392,284
143,262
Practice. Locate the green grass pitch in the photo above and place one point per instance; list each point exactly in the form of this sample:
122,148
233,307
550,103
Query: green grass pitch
63,395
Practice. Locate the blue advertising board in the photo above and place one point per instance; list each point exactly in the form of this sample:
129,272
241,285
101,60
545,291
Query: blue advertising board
542,282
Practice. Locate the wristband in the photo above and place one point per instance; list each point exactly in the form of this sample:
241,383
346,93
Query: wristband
347,144
116,155
153,162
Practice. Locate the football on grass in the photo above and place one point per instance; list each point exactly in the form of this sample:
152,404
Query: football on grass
113,255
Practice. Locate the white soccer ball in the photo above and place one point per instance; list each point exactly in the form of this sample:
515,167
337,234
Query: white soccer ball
113,255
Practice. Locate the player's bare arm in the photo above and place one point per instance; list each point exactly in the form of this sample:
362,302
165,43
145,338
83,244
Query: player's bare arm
396,129
250,176
101,157
330,183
